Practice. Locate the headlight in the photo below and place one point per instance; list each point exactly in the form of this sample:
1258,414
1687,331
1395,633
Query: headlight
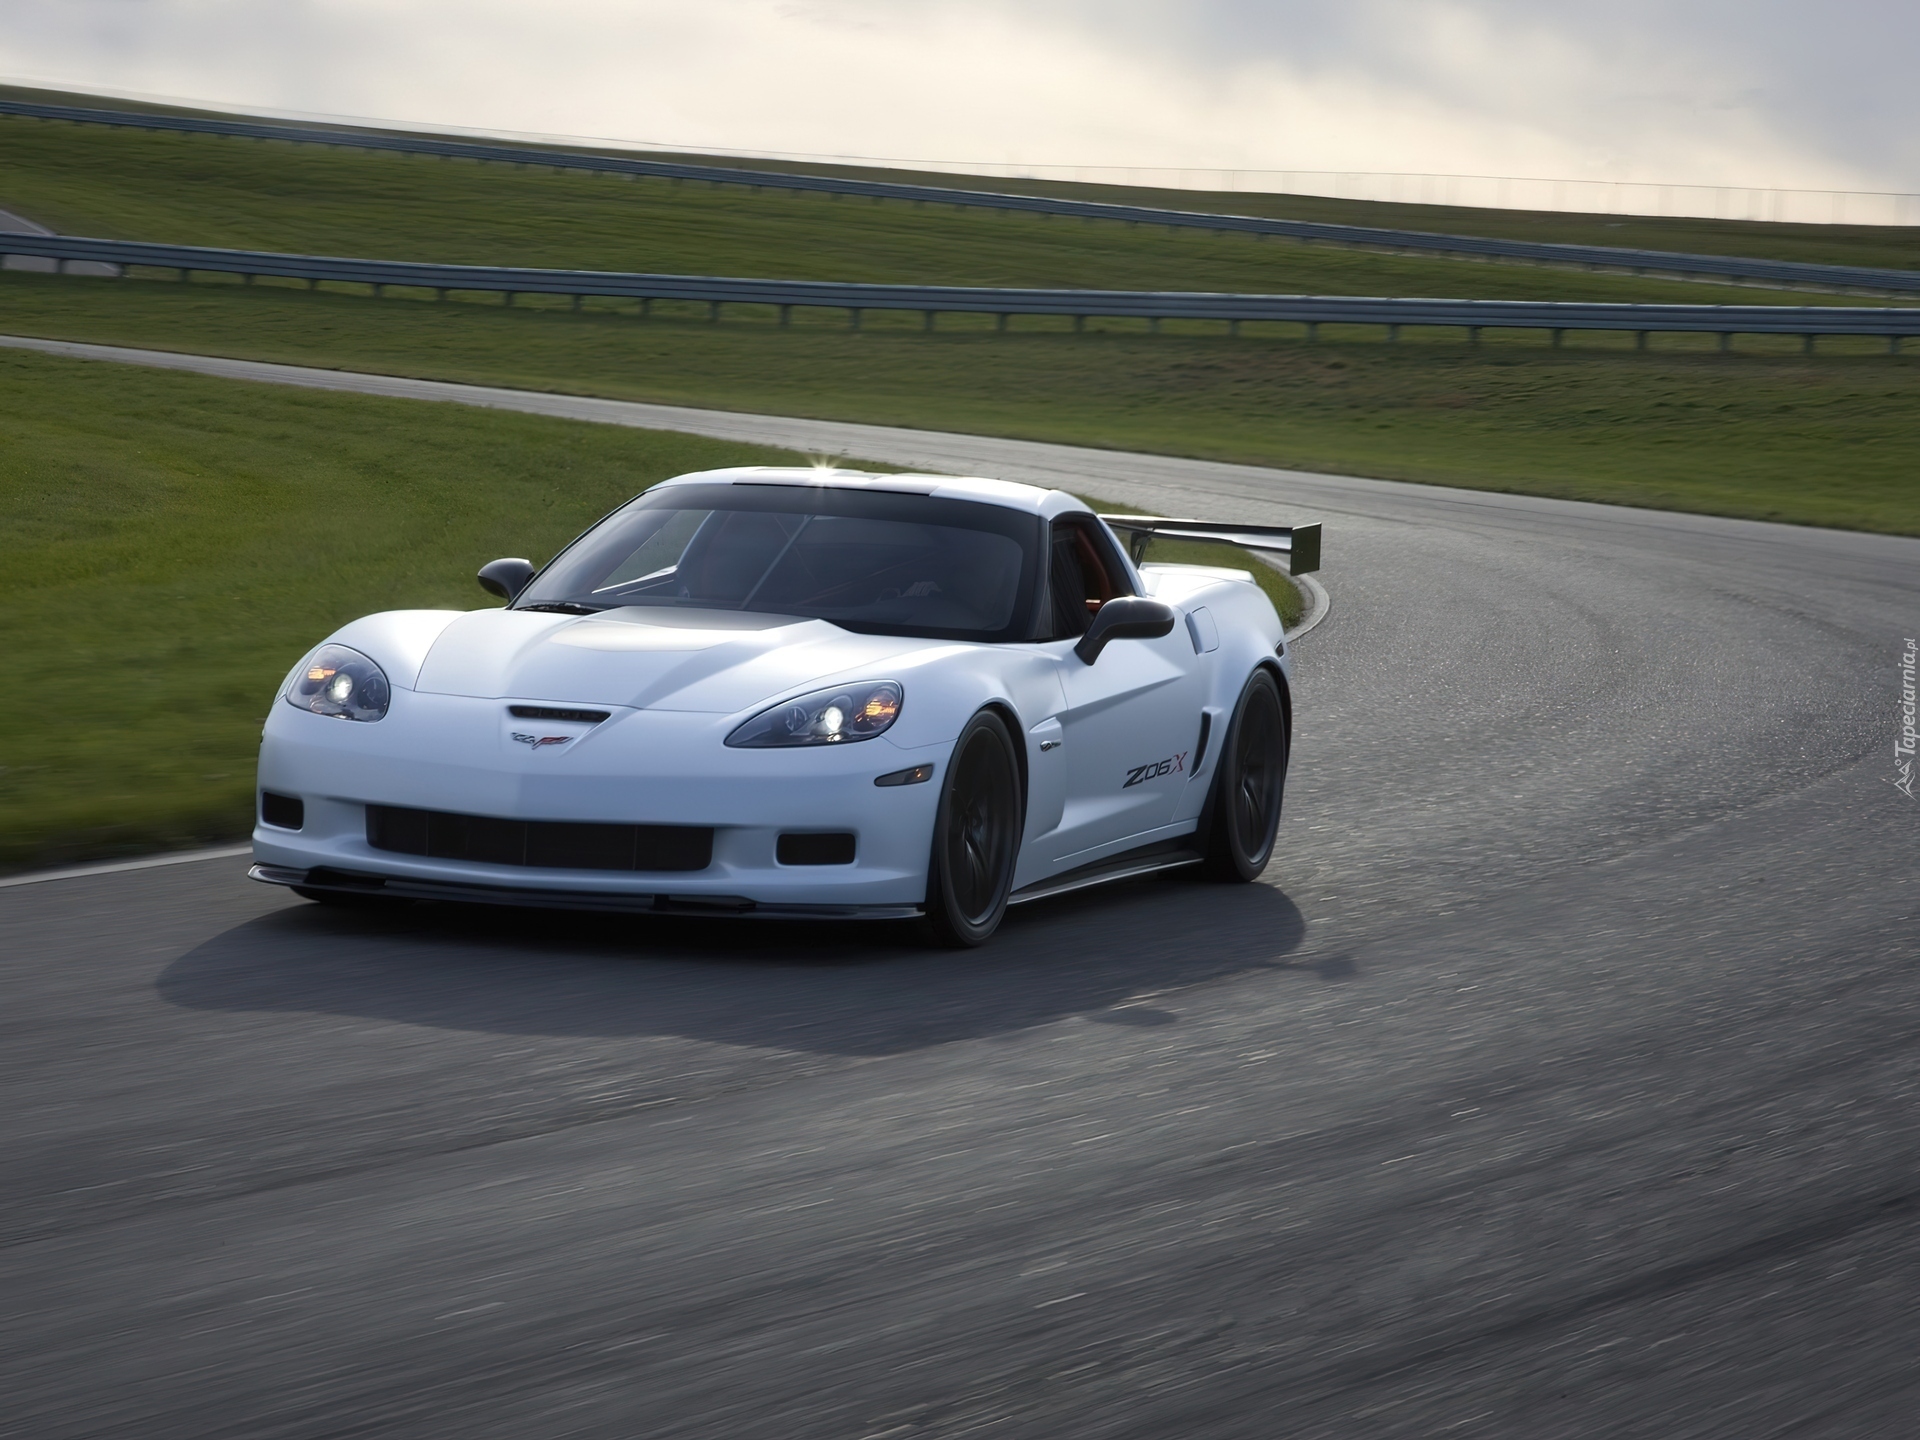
341,682
826,717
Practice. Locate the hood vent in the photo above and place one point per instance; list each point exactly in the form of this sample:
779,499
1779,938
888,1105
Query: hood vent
555,712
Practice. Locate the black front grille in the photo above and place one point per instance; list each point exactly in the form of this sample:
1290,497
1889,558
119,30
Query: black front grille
542,844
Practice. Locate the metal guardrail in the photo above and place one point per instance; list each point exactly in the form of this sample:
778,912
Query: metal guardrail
1601,257
931,300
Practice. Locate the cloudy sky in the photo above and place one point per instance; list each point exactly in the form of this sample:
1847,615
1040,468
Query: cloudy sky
1780,93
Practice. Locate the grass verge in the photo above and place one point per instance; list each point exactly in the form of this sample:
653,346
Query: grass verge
176,543
1765,433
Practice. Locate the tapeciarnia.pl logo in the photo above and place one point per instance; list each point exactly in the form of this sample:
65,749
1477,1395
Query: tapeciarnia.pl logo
1903,747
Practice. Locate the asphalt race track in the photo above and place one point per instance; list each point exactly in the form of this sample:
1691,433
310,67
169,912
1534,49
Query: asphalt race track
1559,1080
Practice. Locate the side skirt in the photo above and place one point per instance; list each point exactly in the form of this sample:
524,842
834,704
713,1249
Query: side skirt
1147,860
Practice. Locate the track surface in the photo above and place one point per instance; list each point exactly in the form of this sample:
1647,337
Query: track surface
1559,1080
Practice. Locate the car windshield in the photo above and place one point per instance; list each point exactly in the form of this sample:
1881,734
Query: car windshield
880,562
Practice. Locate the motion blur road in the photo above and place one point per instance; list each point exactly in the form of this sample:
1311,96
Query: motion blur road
1558,1080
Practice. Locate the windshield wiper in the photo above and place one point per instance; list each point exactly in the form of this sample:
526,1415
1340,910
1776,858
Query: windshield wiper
565,607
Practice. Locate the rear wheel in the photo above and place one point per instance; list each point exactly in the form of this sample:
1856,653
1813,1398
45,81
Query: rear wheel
976,836
1244,809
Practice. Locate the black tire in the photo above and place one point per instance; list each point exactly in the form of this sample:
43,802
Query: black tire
1249,783
976,836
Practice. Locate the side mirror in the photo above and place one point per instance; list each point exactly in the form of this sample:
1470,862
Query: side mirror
1126,617
505,578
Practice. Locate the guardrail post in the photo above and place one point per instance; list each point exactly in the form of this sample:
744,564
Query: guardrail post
1558,337
440,291
853,319
181,276
1726,341
786,313
646,306
926,321
1079,324
1233,329
380,289
1639,339
1153,324
576,303
509,299
1473,334
1393,334
1806,344
1313,332
713,312
1000,323
1893,344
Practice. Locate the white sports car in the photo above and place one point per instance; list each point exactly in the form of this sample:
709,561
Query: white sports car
791,692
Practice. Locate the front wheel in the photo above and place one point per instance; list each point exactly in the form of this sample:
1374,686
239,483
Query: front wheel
976,836
1244,809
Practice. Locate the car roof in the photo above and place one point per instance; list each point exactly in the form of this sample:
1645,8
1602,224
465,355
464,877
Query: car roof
1009,493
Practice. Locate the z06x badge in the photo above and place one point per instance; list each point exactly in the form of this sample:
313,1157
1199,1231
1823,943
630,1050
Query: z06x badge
1172,765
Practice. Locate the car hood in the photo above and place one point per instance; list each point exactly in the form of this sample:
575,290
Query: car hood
716,661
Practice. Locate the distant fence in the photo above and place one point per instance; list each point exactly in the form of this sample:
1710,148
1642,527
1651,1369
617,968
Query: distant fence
1625,198
1783,273
1893,324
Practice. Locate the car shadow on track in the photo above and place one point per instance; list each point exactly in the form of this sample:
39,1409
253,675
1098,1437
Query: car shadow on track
846,989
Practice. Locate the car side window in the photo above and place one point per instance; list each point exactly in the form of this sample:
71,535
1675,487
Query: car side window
1083,573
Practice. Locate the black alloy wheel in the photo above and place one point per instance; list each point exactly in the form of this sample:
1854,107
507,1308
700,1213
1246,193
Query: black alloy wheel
976,836
1249,785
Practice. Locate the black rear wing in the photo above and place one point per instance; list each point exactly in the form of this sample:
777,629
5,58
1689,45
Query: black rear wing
1299,543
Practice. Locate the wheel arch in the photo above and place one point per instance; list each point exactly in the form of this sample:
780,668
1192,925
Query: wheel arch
1016,732
1272,667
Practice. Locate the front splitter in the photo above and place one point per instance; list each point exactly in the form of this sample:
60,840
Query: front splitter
394,887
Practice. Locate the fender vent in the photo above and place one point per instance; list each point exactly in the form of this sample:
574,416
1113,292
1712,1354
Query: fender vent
541,844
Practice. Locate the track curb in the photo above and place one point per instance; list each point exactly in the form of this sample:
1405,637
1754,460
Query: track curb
111,867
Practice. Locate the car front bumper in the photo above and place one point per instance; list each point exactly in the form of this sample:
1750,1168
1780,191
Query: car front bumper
459,755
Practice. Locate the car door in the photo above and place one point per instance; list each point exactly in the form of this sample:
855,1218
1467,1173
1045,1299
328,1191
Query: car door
1131,717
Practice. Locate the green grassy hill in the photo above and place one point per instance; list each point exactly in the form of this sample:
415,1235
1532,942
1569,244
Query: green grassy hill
271,195
1892,247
